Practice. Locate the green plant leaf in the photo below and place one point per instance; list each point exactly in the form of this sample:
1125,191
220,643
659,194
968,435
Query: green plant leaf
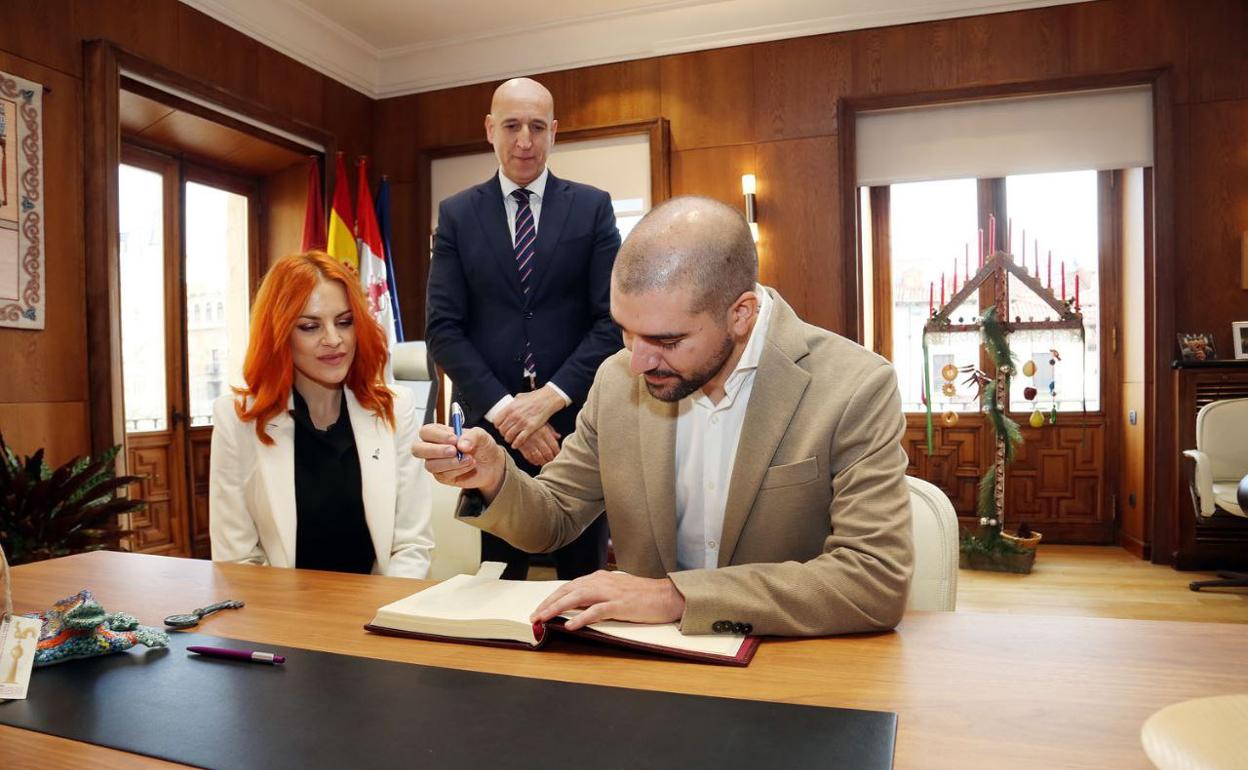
47,512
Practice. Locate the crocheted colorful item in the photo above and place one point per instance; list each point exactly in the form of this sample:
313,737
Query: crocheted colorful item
78,627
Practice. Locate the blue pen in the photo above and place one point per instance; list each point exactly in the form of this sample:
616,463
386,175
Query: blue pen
457,422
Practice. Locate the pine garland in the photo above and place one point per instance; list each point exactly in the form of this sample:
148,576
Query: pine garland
987,505
996,343
927,395
1002,425
994,338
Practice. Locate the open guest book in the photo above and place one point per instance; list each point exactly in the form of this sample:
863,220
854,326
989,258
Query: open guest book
482,609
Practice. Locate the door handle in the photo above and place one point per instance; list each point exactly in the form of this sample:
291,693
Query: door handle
176,417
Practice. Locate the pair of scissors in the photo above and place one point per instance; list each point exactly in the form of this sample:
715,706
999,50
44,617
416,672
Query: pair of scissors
192,618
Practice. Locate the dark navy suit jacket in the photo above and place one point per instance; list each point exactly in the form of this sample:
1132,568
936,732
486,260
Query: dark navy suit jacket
478,318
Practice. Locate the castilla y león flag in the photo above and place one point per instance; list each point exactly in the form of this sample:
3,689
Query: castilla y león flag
372,256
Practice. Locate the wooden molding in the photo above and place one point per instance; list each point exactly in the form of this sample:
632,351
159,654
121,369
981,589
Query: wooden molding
882,271
138,75
1243,251
1159,273
102,151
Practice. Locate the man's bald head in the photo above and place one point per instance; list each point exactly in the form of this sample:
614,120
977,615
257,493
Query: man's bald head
525,90
521,125
690,242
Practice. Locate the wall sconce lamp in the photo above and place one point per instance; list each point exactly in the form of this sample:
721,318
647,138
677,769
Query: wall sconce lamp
748,187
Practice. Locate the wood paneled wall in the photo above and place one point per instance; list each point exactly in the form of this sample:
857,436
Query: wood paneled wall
771,108
43,374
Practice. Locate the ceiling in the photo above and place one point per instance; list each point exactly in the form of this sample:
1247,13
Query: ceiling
387,48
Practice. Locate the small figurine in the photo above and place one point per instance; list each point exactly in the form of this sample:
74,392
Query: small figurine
78,627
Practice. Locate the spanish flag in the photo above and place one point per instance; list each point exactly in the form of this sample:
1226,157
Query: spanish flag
341,221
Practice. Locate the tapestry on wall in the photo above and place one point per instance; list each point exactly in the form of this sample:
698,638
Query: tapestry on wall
21,203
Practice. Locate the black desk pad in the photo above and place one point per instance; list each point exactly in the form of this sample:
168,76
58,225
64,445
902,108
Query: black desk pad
322,710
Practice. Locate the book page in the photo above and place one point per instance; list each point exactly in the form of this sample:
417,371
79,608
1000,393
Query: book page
669,635
471,597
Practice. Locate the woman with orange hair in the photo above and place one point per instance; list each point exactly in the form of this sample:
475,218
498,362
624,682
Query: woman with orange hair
311,465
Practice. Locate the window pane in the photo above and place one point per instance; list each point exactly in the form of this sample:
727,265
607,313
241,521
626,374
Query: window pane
932,228
142,253
1059,213
216,294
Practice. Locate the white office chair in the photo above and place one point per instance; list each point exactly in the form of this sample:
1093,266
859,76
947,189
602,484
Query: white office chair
456,546
414,369
935,582
1221,457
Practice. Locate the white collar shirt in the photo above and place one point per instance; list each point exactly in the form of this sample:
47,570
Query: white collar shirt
707,435
537,192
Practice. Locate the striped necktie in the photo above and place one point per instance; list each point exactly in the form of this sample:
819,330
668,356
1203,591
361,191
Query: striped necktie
526,239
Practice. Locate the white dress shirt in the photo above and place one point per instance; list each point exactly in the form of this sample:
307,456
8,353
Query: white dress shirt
706,449
537,191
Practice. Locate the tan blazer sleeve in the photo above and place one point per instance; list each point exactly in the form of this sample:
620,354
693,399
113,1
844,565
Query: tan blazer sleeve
542,514
860,580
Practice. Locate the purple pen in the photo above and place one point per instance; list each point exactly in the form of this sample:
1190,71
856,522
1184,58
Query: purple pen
248,655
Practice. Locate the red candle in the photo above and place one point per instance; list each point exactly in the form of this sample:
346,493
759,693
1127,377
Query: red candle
1049,272
1036,259
981,247
992,234
955,275
1063,280
966,261
1024,245
1009,237
942,290
1076,290
931,298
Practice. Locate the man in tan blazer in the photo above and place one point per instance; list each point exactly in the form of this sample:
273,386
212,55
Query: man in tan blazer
751,463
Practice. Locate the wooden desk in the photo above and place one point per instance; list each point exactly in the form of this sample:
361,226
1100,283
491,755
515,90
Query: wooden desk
971,690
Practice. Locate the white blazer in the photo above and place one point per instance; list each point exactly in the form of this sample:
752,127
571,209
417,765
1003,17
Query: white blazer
251,488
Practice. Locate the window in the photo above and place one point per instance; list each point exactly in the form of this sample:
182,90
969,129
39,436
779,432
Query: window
141,220
1061,209
217,272
930,246
929,225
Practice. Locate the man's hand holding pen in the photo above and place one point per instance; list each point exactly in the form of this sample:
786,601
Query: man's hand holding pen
483,466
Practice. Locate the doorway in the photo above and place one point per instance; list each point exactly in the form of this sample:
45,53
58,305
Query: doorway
188,259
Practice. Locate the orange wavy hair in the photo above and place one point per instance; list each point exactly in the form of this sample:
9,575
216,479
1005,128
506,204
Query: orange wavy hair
269,369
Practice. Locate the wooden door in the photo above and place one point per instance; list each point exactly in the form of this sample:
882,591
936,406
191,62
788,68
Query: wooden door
1061,482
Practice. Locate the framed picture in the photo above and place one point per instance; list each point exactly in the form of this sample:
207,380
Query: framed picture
1239,333
21,203
1196,346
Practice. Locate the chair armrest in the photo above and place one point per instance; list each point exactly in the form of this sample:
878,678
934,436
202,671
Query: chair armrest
1202,481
